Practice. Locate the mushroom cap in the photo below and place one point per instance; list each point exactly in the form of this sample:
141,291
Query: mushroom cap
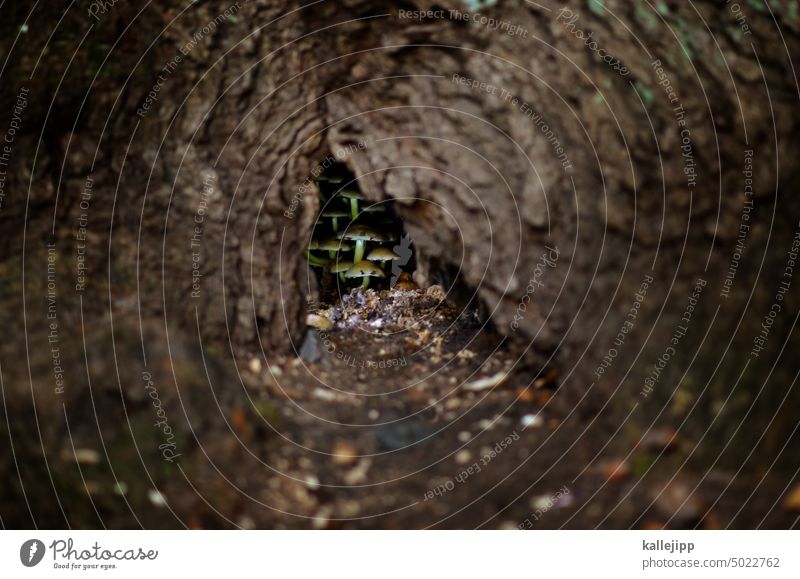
364,269
341,265
350,194
312,264
382,254
333,244
336,213
330,178
313,244
361,233
405,282
375,208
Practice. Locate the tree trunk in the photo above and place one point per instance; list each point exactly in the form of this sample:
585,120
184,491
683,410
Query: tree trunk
158,174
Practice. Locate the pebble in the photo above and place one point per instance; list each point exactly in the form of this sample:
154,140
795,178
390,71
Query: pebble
359,474
324,394
452,404
344,454
436,292
792,500
81,456
508,526
464,436
255,365
660,439
615,470
542,502
351,508
319,322
322,518
566,500
156,498
531,420
402,434
373,415
681,502
463,457
485,383
246,523
312,482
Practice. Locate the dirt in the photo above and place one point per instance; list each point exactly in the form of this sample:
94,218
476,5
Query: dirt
410,413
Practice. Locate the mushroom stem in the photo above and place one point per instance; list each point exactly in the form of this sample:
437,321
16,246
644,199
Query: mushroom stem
335,224
353,208
341,276
314,259
360,246
365,283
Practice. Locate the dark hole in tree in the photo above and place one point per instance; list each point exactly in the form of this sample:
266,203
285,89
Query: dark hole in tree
356,242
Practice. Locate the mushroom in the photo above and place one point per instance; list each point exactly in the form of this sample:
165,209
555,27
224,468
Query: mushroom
354,197
405,282
341,266
313,259
365,270
382,254
333,245
361,234
335,215
374,208
334,178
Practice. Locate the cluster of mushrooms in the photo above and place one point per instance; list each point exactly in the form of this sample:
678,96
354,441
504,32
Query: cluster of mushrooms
353,237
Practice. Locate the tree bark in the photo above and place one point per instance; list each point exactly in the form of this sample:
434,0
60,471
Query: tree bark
173,140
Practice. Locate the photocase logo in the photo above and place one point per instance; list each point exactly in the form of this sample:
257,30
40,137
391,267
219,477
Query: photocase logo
32,552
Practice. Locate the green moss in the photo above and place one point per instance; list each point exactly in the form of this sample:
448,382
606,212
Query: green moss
597,7
270,413
686,38
646,17
473,5
645,93
641,463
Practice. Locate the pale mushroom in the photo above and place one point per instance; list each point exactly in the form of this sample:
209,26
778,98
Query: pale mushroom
382,254
341,266
335,215
313,259
361,234
354,197
333,245
364,270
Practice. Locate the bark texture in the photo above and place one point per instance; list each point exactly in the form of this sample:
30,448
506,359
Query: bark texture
205,175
